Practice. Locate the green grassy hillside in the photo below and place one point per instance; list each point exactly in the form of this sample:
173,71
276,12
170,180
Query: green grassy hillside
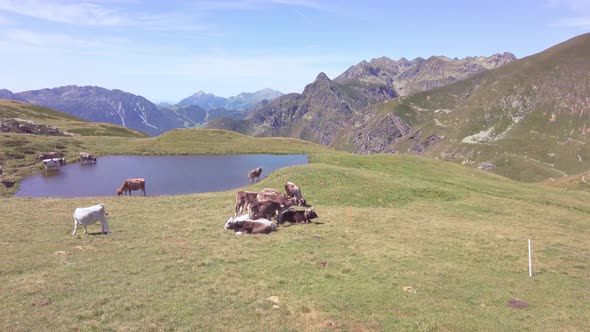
457,237
18,152
529,118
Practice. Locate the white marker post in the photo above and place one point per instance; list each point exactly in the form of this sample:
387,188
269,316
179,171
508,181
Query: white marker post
530,259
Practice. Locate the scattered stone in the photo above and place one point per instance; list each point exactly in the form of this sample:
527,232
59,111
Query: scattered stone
273,299
42,302
517,304
274,306
323,263
330,323
486,166
61,253
409,289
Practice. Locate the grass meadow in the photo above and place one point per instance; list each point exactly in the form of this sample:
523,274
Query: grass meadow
402,243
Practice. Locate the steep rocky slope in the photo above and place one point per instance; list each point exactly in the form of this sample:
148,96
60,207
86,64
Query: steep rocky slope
528,120
328,107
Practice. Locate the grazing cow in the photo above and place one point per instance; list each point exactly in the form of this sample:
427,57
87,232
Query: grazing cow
90,215
49,155
87,157
243,198
297,214
53,164
293,191
254,175
243,224
131,184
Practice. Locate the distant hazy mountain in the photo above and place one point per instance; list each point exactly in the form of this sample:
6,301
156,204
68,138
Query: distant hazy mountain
241,102
6,94
204,100
102,105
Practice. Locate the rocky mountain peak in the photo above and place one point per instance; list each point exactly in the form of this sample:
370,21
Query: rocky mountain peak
322,77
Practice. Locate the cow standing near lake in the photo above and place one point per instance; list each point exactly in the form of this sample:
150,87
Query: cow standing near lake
254,175
53,164
87,157
49,155
131,184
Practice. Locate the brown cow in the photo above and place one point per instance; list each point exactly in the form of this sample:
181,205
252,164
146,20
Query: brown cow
293,191
243,198
268,202
273,195
87,157
132,184
49,155
254,175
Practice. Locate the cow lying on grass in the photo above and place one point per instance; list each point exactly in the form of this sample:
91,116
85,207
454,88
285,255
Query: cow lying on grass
131,184
297,214
243,224
90,215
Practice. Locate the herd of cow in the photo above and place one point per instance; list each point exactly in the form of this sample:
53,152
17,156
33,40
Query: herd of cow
53,160
265,204
262,207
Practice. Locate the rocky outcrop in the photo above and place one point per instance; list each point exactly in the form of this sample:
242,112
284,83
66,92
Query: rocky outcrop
404,77
21,126
373,133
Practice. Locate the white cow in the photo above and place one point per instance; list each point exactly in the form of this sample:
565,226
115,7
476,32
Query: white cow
90,215
53,163
243,224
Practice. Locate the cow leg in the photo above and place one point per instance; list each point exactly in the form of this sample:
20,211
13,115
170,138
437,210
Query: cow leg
105,226
75,227
85,230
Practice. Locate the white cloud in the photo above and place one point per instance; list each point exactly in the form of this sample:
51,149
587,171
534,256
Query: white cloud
60,41
577,6
5,21
98,15
575,22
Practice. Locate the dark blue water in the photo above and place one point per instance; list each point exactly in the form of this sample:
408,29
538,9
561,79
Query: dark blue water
164,175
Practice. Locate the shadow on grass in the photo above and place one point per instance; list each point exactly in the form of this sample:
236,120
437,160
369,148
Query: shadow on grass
96,233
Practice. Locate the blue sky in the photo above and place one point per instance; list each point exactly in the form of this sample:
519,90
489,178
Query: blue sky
167,50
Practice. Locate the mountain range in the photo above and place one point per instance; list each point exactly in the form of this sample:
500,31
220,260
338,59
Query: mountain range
123,108
527,119
326,106
241,102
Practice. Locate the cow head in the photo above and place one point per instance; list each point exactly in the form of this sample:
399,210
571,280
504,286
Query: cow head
119,192
310,214
229,224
